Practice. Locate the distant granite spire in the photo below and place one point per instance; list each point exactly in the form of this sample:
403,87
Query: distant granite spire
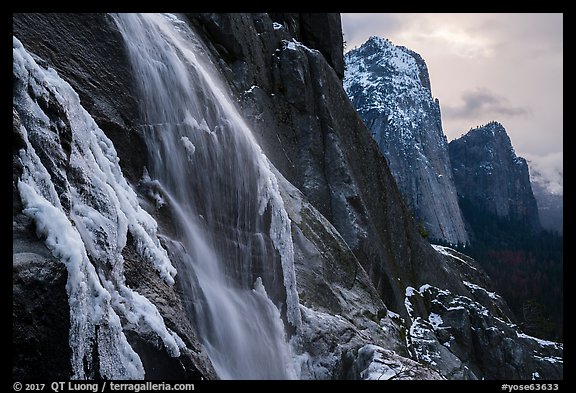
390,87
490,176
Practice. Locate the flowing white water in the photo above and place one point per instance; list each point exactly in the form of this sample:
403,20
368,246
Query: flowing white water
232,232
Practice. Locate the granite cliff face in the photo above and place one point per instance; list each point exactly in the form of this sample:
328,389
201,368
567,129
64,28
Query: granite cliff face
490,177
375,300
390,88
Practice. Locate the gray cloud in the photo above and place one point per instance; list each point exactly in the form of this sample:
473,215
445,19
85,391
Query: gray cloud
358,27
531,36
548,170
482,102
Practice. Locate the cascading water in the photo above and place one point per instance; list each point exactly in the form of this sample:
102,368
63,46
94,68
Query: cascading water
231,229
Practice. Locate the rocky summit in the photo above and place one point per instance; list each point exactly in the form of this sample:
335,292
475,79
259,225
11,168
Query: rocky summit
390,88
490,177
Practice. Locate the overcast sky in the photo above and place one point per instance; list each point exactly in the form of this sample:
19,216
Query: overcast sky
483,67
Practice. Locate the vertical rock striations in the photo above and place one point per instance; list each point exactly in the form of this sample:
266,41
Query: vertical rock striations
390,87
490,177
305,123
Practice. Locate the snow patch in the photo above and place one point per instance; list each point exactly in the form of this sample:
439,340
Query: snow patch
549,359
543,343
280,233
407,304
295,45
89,239
189,146
317,365
410,291
378,368
192,122
89,301
251,89
475,287
447,251
435,320
290,45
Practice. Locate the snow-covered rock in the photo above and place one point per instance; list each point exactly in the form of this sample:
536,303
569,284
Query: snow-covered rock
471,336
73,191
390,87
376,363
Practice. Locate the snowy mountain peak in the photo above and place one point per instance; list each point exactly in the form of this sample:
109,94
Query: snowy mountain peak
390,87
379,63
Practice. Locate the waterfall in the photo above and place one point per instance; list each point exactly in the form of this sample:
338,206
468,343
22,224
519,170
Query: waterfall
231,240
